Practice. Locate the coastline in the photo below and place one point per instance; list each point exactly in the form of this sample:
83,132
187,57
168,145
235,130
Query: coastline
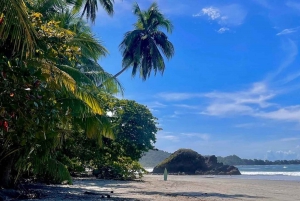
178,187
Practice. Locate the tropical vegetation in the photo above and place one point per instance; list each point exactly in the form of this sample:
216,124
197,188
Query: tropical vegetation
57,111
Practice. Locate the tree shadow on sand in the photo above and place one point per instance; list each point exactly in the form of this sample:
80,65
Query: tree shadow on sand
87,190
198,194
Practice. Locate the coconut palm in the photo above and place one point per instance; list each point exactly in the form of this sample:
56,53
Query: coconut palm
90,7
143,47
16,30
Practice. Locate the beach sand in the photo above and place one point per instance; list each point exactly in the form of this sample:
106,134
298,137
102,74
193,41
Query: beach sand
181,187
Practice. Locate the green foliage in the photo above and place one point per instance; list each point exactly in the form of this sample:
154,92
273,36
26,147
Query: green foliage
124,168
90,7
231,160
134,128
235,160
143,47
53,114
37,85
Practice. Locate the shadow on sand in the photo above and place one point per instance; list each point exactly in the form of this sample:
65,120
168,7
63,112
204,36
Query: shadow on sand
198,194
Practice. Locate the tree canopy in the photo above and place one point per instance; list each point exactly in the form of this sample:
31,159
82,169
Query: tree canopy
54,116
143,47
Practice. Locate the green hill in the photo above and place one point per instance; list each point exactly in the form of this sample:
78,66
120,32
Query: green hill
235,160
153,158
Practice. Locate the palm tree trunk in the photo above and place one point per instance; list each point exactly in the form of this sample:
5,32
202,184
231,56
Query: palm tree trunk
115,76
119,73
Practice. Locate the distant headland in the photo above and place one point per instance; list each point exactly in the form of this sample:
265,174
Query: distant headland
154,157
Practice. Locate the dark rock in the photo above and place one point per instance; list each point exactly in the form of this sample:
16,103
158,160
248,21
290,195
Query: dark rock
188,161
183,160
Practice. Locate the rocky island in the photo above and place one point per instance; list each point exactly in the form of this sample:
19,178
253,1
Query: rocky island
187,161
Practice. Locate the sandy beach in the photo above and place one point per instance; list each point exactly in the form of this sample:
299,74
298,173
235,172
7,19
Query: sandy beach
183,187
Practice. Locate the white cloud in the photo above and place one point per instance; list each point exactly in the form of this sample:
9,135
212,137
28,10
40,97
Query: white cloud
281,155
155,104
175,114
246,125
203,136
226,16
249,125
109,113
221,109
233,15
287,31
223,29
167,136
240,98
291,50
264,3
291,77
289,139
291,113
212,12
177,96
186,106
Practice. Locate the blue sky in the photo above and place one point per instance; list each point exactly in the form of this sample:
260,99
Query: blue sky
233,84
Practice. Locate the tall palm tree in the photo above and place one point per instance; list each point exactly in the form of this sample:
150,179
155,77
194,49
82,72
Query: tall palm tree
90,7
143,47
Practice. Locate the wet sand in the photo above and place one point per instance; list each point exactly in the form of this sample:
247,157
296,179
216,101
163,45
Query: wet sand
181,187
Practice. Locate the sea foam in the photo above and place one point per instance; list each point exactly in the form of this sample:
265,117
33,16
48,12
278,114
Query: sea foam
297,174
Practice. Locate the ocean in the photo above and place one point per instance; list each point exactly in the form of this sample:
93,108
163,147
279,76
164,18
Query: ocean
270,172
265,172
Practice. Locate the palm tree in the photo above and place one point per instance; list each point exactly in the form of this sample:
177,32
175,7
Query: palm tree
143,47
16,30
90,7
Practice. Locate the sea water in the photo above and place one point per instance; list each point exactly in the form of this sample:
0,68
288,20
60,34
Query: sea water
265,172
270,172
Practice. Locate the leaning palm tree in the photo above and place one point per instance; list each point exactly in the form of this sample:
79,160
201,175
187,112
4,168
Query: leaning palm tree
143,47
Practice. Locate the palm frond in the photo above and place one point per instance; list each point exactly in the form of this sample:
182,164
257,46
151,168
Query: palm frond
108,83
53,168
16,28
75,107
90,100
90,46
90,7
141,18
57,77
79,77
164,44
97,127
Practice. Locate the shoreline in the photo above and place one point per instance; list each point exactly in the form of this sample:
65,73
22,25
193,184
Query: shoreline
177,187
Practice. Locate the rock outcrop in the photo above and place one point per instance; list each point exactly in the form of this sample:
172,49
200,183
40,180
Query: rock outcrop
187,161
